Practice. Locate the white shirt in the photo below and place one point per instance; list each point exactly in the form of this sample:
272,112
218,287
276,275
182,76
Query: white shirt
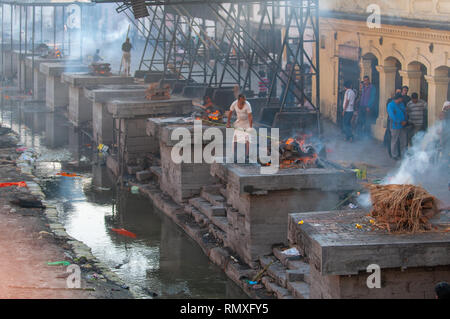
242,114
350,96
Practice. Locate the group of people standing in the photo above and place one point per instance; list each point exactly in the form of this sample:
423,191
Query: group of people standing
359,108
406,117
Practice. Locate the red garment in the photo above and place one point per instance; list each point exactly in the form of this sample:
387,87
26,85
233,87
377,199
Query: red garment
18,184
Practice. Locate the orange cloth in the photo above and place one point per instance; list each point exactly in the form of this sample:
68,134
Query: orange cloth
18,184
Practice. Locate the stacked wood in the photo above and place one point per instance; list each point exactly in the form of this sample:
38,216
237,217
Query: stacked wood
155,92
402,208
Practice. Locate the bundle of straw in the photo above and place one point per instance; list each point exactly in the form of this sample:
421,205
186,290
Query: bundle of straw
402,208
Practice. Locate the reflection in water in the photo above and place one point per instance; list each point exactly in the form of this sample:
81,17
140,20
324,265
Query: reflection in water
163,259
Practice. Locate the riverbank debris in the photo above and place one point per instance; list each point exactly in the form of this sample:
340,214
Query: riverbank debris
10,184
124,232
59,263
67,174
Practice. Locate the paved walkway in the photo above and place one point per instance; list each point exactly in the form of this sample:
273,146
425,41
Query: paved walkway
372,154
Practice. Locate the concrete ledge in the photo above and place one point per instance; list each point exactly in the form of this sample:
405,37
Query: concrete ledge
140,106
83,79
332,242
56,69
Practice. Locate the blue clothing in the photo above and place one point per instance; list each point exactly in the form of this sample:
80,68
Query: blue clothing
368,96
397,114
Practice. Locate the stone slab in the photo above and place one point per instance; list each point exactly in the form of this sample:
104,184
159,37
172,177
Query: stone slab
129,107
39,60
84,79
57,69
332,242
248,178
167,132
105,93
155,124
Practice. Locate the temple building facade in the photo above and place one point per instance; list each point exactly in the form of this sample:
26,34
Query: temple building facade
411,46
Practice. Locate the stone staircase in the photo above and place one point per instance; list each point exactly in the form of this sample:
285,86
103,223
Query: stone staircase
287,277
210,210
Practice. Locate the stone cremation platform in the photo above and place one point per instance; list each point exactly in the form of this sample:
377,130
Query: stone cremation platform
184,180
80,108
57,93
339,253
38,85
156,124
99,95
260,203
131,114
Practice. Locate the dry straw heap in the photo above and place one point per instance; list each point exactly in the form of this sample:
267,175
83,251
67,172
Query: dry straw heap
402,208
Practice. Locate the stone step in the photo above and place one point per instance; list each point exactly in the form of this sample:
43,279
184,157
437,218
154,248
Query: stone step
213,199
200,219
156,170
223,192
271,286
276,270
298,265
143,176
221,222
283,258
206,208
298,289
133,169
217,233
212,189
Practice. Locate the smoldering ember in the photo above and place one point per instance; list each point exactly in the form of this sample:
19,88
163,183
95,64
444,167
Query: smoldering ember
225,149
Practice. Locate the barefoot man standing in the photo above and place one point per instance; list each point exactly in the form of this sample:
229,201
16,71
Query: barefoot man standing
243,123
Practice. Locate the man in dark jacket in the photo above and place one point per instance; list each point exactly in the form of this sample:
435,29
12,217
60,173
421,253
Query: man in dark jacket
367,105
126,56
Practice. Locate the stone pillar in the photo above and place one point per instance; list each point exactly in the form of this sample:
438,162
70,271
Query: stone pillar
366,68
387,89
411,78
437,95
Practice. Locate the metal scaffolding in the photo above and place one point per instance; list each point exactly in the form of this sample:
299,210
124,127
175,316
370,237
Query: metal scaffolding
219,43
26,30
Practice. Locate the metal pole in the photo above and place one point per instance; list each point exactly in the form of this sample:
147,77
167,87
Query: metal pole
54,29
42,18
3,41
12,45
20,43
81,33
26,50
63,9
32,44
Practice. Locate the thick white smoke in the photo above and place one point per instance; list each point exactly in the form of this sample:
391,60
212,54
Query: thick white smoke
420,160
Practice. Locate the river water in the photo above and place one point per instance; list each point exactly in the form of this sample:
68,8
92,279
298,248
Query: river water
162,259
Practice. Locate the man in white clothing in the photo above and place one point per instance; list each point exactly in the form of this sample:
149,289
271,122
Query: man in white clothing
348,109
244,121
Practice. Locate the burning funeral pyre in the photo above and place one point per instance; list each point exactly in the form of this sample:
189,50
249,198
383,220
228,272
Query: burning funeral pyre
155,92
296,153
48,53
103,69
209,116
